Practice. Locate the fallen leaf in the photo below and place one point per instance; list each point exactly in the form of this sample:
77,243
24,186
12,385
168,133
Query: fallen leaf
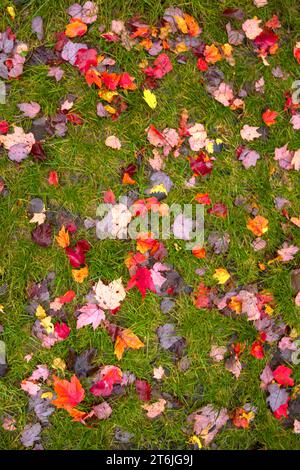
69,394
113,142
102,411
258,225
91,314
126,339
150,98
76,28
79,275
221,275
155,409
269,117
30,109
63,238
109,297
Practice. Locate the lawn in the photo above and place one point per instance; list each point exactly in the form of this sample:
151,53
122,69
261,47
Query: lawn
87,168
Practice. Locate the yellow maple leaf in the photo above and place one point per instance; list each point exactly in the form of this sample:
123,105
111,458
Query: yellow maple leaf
11,12
79,275
47,324
221,275
63,239
59,364
110,109
195,440
181,24
150,98
107,95
40,312
48,395
181,47
126,339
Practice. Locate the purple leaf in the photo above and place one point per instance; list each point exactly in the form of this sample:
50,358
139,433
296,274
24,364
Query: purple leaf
102,411
56,72
18,152
278,396
249,158
70,50
42,235
37,27
29,109
235,36
31,434
167,336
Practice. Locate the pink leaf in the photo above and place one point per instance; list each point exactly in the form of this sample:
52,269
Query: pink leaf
102,411
29,109
217,353
287,252
113,142
250,132
91,314
295,121
155,409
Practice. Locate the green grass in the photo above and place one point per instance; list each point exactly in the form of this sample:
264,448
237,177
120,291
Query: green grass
83,154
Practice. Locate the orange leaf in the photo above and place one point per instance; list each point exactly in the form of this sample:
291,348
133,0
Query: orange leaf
75,28
192,25
258,225
79,275
63,239
77,415
92,76
126,339
69,394
199,252
127,179
212,54
269,117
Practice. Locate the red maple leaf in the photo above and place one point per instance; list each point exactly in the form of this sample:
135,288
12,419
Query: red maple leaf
143,389
257,350
110,80
142,280
219,210
53,178
266,39
162,65
69,394
67,297
62,330
4,126
76,255
201,165
282,376
111,375
126,81
269,117
201,299
86,58
282,410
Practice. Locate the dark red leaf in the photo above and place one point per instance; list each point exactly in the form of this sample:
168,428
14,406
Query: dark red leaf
143,389
42,234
